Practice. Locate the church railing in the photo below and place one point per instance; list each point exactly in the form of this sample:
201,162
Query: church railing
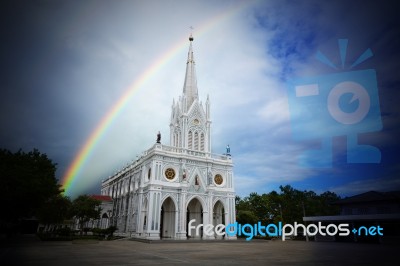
191,152
220,157
171,149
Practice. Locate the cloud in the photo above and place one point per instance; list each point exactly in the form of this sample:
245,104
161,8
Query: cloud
275,112
364,185
70,64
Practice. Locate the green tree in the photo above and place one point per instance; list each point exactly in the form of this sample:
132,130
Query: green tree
242,204
55,210
259,206
27,181
274,207
325,204
246,217
291,204
85,208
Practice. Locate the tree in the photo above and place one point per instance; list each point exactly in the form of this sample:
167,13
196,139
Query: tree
246,217
325,200
291,204
259,206
85,208
274,207
242,204
27,181
55,210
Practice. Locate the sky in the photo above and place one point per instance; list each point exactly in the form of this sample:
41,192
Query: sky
66,64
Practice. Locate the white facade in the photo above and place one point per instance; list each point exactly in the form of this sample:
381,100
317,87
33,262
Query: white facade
169,185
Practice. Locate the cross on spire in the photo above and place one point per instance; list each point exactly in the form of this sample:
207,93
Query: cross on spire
191,34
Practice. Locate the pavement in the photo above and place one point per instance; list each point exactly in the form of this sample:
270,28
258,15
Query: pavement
28,250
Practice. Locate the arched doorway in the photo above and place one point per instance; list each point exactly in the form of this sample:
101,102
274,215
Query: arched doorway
104,221
167,222
218,215
194,211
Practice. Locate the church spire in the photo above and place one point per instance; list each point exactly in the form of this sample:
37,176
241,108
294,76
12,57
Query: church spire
190,86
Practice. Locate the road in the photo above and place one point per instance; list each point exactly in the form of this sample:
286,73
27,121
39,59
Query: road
28,250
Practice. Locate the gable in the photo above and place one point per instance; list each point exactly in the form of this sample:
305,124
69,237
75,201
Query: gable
197,111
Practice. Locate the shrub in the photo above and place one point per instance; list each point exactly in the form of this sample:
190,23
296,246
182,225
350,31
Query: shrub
110,230
66,231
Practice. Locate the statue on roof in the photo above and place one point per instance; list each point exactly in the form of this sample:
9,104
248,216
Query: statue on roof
159,137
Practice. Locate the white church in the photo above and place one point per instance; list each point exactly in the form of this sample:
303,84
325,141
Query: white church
157,195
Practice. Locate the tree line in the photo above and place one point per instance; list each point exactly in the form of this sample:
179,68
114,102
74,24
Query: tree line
288,206
29,189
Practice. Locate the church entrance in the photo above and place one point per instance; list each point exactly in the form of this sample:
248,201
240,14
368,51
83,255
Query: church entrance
104,221
167,223
194,211
218,216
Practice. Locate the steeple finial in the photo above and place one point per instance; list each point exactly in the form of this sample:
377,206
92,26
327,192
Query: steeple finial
190,84
191,34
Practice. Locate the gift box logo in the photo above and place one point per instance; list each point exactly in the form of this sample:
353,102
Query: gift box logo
337,104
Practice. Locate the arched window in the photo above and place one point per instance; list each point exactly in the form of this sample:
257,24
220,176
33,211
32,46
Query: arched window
190,140
196,141
202,142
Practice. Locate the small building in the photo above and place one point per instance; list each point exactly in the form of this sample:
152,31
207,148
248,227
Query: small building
367,209
104,221
106,211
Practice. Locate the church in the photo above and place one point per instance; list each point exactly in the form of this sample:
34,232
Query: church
157,195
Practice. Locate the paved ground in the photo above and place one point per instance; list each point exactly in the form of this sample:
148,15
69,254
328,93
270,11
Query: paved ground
28,250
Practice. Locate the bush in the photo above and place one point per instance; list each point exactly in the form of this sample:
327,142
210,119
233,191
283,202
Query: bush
105,232
99,232
110,230
66,231
96,231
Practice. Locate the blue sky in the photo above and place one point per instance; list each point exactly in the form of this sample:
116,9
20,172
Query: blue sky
64,64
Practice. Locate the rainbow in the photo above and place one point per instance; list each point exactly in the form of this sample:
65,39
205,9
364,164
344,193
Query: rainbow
72,173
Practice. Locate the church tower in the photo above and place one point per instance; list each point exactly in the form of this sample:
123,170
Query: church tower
173,184
190,122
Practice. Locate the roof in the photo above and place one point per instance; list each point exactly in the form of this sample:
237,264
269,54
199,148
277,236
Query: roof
370,196
360,217
101,197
